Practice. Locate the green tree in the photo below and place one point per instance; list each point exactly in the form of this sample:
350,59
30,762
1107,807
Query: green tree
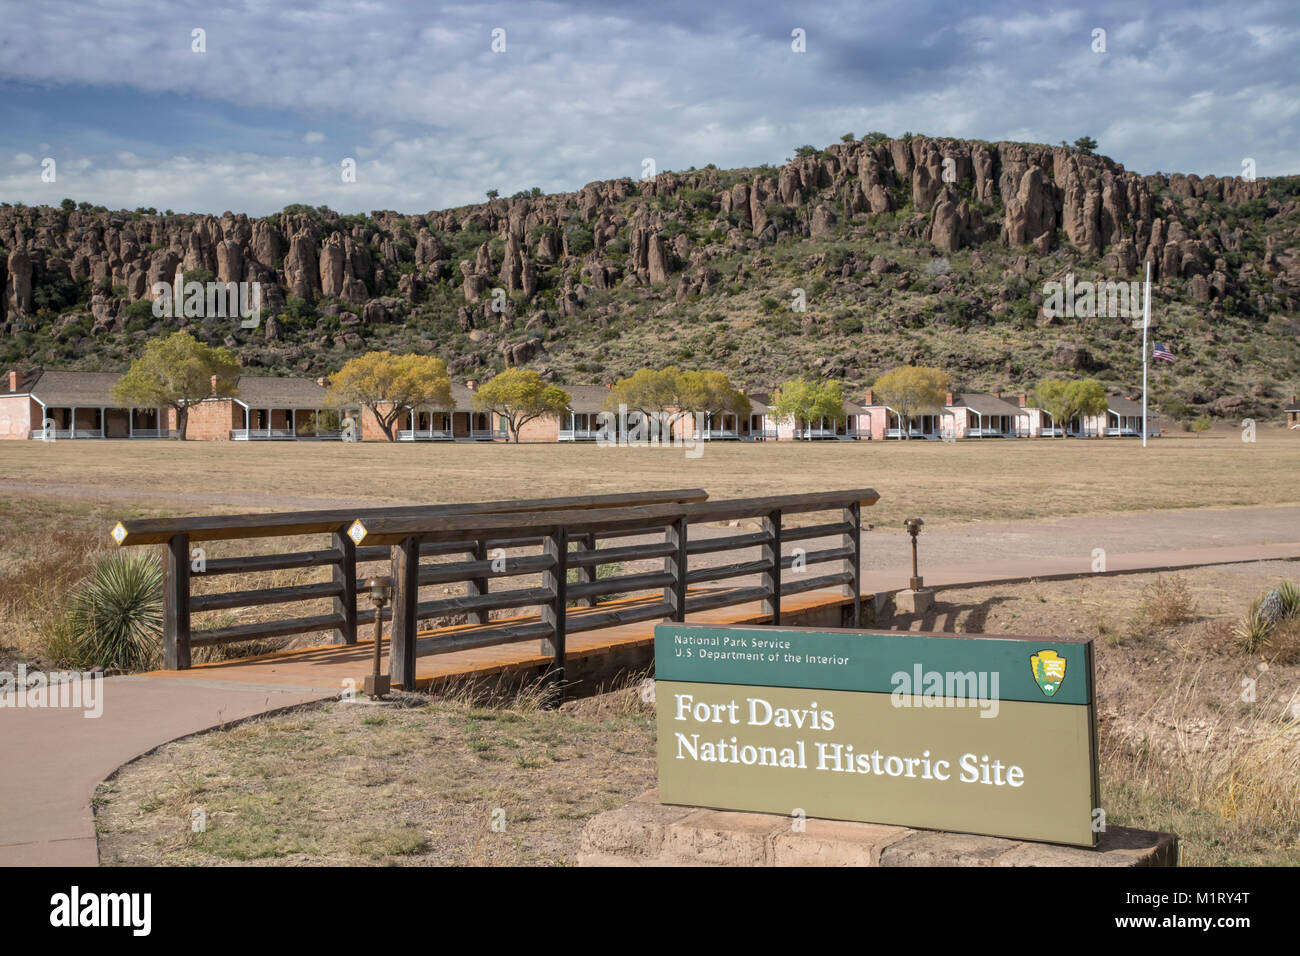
912,390
803,402
668,395
655,393
1089,397
493,193
519,395
1085,144
710,392
177,372
1052,396
1065,400
391,385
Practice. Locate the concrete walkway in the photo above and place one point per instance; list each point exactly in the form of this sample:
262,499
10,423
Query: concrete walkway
55,757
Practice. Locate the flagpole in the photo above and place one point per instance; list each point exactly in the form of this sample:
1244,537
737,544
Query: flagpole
1146,321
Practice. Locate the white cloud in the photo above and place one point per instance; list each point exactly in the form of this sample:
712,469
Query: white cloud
434,118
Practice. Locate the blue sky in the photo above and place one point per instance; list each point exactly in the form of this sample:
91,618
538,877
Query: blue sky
433,117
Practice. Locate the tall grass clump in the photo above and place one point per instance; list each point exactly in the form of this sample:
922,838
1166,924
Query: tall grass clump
113,617
1166,601
1229,789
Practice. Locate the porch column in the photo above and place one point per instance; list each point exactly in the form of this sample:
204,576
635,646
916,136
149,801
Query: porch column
130,422
72,422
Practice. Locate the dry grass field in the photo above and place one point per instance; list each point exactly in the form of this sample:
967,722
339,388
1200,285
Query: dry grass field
964,481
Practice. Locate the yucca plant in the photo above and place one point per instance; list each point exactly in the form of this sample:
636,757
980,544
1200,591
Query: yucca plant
114,616
1252,632
1290,595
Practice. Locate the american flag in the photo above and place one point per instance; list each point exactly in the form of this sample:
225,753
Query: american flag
1161,351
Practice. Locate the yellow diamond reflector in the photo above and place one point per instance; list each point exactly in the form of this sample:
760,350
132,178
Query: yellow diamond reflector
357,532
119,533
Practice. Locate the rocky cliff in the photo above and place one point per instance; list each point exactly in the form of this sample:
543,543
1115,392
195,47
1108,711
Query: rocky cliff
917,249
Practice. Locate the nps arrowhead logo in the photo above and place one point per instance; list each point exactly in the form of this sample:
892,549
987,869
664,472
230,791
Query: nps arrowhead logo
1049,671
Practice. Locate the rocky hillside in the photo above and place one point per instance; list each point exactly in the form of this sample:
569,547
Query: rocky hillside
919,249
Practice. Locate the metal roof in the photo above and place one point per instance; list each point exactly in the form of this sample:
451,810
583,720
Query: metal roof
586,398
1123,406
985,404
61,389
269,391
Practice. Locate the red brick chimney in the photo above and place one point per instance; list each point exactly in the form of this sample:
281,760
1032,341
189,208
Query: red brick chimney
471,384
870,397
1022,399
15,381
997,394
214,384
949,401
322,381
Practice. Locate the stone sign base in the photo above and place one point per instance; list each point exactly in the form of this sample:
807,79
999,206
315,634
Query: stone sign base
648,833
913,602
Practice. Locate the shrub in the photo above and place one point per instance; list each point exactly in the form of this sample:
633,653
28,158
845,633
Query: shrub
114,616
1202,424
1166,601
580,240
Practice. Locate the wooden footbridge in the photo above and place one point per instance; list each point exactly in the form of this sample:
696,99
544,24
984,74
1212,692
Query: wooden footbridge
737,560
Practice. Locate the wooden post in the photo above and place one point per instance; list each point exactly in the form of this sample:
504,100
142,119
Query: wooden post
345,575
587,574
772,577
675,564
555,580
853,565
176,604
406,598
475,587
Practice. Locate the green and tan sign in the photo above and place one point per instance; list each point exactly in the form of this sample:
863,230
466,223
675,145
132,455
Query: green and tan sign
964,732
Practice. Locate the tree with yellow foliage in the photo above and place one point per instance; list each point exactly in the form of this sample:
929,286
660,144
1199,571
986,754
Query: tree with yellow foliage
520,395
391,385
178,371
913,390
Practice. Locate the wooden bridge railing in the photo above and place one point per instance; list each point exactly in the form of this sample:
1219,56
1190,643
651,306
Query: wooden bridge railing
341,557
676,590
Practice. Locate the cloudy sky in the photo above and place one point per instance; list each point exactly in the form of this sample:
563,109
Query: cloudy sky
286,91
